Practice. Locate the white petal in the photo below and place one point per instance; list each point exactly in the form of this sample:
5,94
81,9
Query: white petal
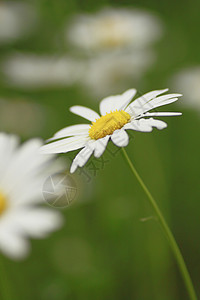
85,112
120,138
66,145
147,103
13,245
157,123
145,125
166,97
26,172
162,114
8,146
138,125
28,191
118,102
148,96
160,101
154,104
24,162
109,104
82,157
141,101
37,222
100,146
127,97
150,105
80,129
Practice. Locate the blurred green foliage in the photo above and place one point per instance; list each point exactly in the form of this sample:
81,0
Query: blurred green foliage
111,247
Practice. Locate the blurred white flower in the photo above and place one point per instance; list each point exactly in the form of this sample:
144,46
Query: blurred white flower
16,20
11,113
119,41
188,82
34,71
111,73
22,174
111,29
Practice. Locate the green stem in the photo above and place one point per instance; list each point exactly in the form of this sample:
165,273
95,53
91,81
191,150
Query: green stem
167,231
4,284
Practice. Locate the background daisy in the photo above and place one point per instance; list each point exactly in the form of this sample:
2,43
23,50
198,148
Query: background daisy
111,73
112,29
23,172
117,46
188,81
16,20
35,71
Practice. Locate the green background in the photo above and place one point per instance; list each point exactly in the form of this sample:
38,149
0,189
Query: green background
111,247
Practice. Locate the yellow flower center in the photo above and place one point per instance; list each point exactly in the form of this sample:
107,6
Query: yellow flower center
107,124
3,203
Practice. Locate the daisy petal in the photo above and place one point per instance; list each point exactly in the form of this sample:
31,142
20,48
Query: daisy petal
166,97
145,125
47,221
138,125
80,129
162,114
100,146
156,123
141,101
14,245
120,138
85,112
142,105
20,160
82,157
64,146
160,101
155,104
118,102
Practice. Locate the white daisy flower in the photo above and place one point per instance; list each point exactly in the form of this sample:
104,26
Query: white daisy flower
188,81
16,20
117,116
115,71
34,71
111,29
23,171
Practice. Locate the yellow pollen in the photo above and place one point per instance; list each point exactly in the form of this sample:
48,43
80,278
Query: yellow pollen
3,203
107,124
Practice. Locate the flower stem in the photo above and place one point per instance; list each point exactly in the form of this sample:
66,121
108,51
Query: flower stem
167,231
4,284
